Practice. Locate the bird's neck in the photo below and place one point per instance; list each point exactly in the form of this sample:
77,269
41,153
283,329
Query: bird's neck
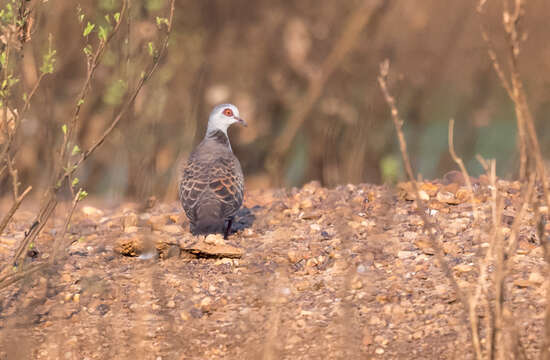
218,136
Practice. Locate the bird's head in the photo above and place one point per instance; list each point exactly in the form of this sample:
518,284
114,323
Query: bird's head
222,117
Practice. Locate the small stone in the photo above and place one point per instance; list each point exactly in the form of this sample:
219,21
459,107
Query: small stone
447,197
405,254
206,304
216,239
130,220
293,256
76,298
315,227
379,339
184,316
423,195
171,304
131,229
302,285
172,229
429,188
92,212
306,204
68,297
356,283
536,278
463,268
522,283
379,351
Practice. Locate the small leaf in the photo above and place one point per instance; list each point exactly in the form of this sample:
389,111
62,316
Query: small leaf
117,17
64,129
108,18
80,18
82,194
161,20
88,29
151,48
76,150
102,33
75,182
87,50
80,102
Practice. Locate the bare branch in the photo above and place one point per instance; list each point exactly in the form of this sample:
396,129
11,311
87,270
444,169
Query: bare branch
431,228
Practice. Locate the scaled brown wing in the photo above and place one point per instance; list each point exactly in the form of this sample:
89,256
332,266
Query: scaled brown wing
227,184
220,177
193,183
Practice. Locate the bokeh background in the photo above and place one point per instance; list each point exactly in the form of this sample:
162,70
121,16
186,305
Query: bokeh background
264,56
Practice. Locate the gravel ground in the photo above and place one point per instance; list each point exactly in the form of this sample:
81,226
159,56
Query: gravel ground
310,273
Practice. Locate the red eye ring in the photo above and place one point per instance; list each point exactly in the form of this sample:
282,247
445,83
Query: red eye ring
228,112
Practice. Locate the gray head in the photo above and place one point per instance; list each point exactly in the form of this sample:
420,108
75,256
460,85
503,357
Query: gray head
222,117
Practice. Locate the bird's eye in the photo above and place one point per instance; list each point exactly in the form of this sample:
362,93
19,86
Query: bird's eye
228,112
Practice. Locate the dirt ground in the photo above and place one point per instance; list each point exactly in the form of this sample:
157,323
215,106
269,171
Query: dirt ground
310,273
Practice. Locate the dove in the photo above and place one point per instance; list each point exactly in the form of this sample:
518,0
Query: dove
212,182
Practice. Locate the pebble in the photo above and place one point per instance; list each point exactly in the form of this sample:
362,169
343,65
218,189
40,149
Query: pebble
171,304
130,220
172,229
405,254
206,304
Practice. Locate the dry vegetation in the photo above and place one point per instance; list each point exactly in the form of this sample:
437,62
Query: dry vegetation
450,268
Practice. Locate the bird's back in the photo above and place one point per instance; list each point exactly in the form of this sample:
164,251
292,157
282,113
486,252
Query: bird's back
211,186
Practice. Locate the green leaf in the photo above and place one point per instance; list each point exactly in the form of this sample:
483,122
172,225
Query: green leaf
88,29
161,20
81,18
80,102
64,129
87,50
151,48
108,19
102,33
82,194
75,182
117,17
48,60
31,245
3,58
76,150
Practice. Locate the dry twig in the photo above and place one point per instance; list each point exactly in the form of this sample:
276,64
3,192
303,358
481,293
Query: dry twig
431,228
61,173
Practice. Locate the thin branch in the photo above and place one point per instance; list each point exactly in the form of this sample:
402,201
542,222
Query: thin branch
60,239
6,219
61,174
430,227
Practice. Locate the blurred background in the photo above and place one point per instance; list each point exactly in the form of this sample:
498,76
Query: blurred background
304,76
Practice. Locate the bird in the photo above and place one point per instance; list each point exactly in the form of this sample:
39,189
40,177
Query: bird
211,183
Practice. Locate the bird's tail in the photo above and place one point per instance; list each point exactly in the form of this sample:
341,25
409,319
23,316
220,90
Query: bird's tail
209,219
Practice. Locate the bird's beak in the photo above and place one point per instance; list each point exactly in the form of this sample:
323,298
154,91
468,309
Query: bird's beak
242,122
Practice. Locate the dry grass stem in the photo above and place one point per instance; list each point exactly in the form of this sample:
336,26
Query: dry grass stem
429,226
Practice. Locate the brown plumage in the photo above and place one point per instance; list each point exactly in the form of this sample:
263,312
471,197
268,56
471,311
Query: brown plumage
212,182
